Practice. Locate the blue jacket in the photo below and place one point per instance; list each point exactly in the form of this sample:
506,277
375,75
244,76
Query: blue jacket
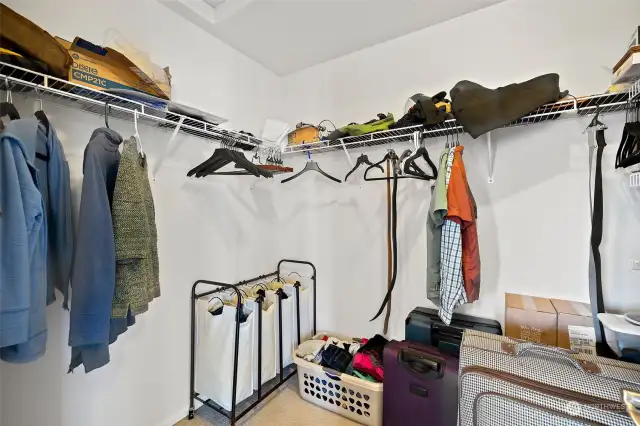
53,175
93,275
23,247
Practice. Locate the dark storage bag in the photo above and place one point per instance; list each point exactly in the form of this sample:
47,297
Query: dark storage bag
480,110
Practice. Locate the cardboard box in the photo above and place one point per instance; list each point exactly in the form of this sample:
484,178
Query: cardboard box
103,68
530,318
627,70
575,326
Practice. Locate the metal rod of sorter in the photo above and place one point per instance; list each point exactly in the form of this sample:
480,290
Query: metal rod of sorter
193,395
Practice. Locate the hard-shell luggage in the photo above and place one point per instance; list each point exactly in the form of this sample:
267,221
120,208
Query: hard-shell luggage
420,385
423,325
504,381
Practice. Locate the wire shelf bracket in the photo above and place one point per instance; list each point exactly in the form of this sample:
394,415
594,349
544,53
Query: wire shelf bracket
490,156
169,148
634,92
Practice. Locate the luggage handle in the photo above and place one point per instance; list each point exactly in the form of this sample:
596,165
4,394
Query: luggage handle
632,402
527,348
419,364
332,374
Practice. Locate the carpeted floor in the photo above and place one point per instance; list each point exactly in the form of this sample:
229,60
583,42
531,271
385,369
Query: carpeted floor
283,408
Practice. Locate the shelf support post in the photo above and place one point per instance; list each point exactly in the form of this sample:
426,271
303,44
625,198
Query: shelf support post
172,142
490,156
346,152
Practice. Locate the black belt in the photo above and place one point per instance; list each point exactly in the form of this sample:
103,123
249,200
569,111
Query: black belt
595,260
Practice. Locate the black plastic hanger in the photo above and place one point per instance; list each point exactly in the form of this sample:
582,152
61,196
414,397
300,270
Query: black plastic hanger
311,166
628,153
8,109
219,158
40,115
411,168
223,156
391,155
363,159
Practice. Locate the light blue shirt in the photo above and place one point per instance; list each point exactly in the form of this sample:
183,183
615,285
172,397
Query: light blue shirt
53,176
23,247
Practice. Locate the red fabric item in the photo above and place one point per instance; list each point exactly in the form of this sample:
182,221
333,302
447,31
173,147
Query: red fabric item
368,362
461,208
325,338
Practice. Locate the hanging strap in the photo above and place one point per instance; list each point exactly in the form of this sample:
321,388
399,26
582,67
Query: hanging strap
595,261
389,252
394,240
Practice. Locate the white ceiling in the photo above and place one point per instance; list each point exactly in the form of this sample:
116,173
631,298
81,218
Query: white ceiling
289,35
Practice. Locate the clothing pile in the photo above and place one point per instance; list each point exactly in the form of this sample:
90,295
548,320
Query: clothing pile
383,122
113,263
115,271
453,255
360,358
36,234
428,111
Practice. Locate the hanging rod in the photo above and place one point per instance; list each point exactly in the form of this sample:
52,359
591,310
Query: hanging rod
65,93
607,103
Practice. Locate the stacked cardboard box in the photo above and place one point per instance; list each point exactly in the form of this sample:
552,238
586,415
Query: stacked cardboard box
103,68
554,322
627,70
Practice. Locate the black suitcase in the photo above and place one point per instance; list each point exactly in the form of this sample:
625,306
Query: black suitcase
423,325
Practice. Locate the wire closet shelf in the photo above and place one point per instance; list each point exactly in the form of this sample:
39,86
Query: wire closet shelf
62,92
571,107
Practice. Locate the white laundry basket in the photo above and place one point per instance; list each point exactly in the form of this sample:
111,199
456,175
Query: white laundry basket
349,396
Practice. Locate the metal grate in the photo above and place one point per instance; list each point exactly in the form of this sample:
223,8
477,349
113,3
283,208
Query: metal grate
634,180
33,84
605,103
634,92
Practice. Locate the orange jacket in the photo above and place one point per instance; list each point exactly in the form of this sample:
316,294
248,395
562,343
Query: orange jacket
461,205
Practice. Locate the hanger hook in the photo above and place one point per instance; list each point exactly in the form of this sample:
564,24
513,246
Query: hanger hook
106,114
8,89
39,97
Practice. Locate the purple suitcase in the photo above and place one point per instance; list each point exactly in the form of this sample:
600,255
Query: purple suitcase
420,386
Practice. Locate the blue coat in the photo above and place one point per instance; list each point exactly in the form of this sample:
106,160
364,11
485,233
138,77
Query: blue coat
53,175
23,247
94,268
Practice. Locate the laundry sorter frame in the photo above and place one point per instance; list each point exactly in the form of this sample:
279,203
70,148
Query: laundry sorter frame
193,395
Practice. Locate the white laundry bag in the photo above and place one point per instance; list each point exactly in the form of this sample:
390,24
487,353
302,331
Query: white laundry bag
215,340
269,363
289,336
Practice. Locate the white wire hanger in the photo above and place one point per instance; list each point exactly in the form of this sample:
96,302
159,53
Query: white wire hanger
137,134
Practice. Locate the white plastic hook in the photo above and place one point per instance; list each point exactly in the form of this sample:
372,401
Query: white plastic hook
39,97
137,134
8,89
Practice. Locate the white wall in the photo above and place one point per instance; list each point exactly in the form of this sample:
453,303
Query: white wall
199,228
534,220
502,44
